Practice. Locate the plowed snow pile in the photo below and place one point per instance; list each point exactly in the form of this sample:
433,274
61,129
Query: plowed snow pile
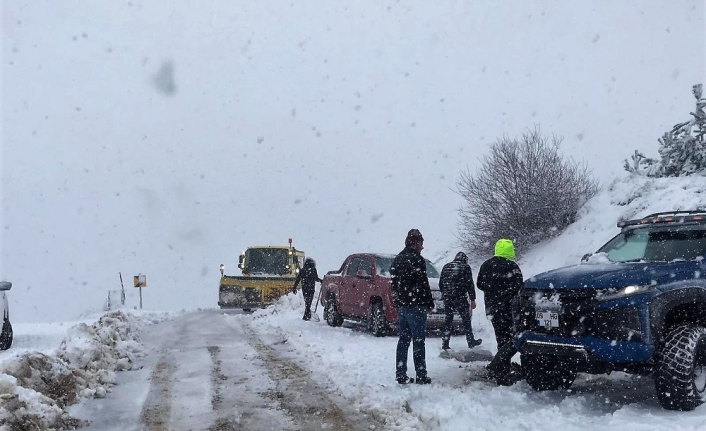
36,388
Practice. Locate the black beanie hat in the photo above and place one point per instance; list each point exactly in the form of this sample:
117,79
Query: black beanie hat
413,237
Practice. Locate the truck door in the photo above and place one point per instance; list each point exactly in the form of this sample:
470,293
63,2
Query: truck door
364,284
348,291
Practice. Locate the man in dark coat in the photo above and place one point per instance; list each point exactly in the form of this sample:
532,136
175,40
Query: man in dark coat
308,276
501,279
411,296
456,285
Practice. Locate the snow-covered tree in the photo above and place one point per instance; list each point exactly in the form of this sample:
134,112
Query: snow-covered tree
525,190
682,150
641,165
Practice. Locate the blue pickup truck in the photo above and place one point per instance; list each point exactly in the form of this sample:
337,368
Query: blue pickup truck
637,305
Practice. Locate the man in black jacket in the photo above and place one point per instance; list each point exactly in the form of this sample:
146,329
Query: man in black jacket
501,279
411,296
308,276
456,285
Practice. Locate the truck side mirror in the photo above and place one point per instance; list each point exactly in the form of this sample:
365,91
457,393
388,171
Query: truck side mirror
295,260
241,261
586,256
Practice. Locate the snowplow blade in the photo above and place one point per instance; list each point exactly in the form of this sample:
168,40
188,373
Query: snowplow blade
252,292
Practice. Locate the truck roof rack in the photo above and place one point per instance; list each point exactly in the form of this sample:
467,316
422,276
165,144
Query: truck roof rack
666,217
663,213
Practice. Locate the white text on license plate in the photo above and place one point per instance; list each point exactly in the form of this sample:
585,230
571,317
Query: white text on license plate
548,319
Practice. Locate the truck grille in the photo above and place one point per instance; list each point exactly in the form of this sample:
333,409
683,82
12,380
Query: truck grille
578,315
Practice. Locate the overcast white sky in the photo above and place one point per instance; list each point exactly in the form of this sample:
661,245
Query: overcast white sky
341,125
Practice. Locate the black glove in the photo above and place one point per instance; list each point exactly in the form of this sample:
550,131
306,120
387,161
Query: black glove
294,291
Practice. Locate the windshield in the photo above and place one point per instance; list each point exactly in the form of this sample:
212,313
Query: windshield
431,271
382,267
656,245
265,261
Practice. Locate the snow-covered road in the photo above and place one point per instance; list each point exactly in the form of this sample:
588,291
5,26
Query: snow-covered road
208,371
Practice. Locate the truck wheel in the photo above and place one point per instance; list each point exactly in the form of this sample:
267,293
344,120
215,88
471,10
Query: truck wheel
680,368
545,373
331,313
6,336
377,322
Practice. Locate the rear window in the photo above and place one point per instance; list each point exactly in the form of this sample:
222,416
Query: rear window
383,264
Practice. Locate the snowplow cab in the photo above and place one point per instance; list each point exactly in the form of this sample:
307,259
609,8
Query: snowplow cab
267,273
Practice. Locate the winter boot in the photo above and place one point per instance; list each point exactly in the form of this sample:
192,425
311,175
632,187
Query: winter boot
492,371
473,342
403,380
501,374
423,380
445,345
307,315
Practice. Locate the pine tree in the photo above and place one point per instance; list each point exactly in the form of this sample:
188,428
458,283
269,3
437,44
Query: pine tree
682,150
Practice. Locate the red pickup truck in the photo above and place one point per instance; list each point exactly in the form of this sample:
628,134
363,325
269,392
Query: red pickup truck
361,291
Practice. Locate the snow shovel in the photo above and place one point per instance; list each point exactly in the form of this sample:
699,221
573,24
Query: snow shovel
314,316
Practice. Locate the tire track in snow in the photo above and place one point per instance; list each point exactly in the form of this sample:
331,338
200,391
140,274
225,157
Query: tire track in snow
217,377
157,408
304,399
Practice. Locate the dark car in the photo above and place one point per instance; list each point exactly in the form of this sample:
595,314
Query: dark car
637,305
361,291
6,333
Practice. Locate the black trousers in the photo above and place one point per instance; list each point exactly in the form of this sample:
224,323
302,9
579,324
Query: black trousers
462,307
308,299
502,325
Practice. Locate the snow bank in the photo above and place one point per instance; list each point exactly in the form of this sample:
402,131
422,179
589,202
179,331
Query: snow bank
630,197
36,388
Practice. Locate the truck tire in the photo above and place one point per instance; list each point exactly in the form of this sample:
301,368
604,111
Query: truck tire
331,313
6,336
377,321
680,368
544,373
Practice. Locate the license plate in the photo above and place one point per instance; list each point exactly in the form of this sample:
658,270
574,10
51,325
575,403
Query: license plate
547,319
436,317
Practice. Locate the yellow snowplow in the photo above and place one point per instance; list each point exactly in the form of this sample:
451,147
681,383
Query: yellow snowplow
267,273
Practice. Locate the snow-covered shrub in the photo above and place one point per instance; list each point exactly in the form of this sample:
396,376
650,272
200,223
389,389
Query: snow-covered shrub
682,150
525,190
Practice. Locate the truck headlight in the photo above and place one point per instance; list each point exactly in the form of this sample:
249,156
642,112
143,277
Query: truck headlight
621,292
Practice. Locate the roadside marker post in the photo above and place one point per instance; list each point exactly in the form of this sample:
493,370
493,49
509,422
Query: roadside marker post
140,281
122,289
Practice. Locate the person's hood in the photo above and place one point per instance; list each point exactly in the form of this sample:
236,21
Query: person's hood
505,248
461,257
